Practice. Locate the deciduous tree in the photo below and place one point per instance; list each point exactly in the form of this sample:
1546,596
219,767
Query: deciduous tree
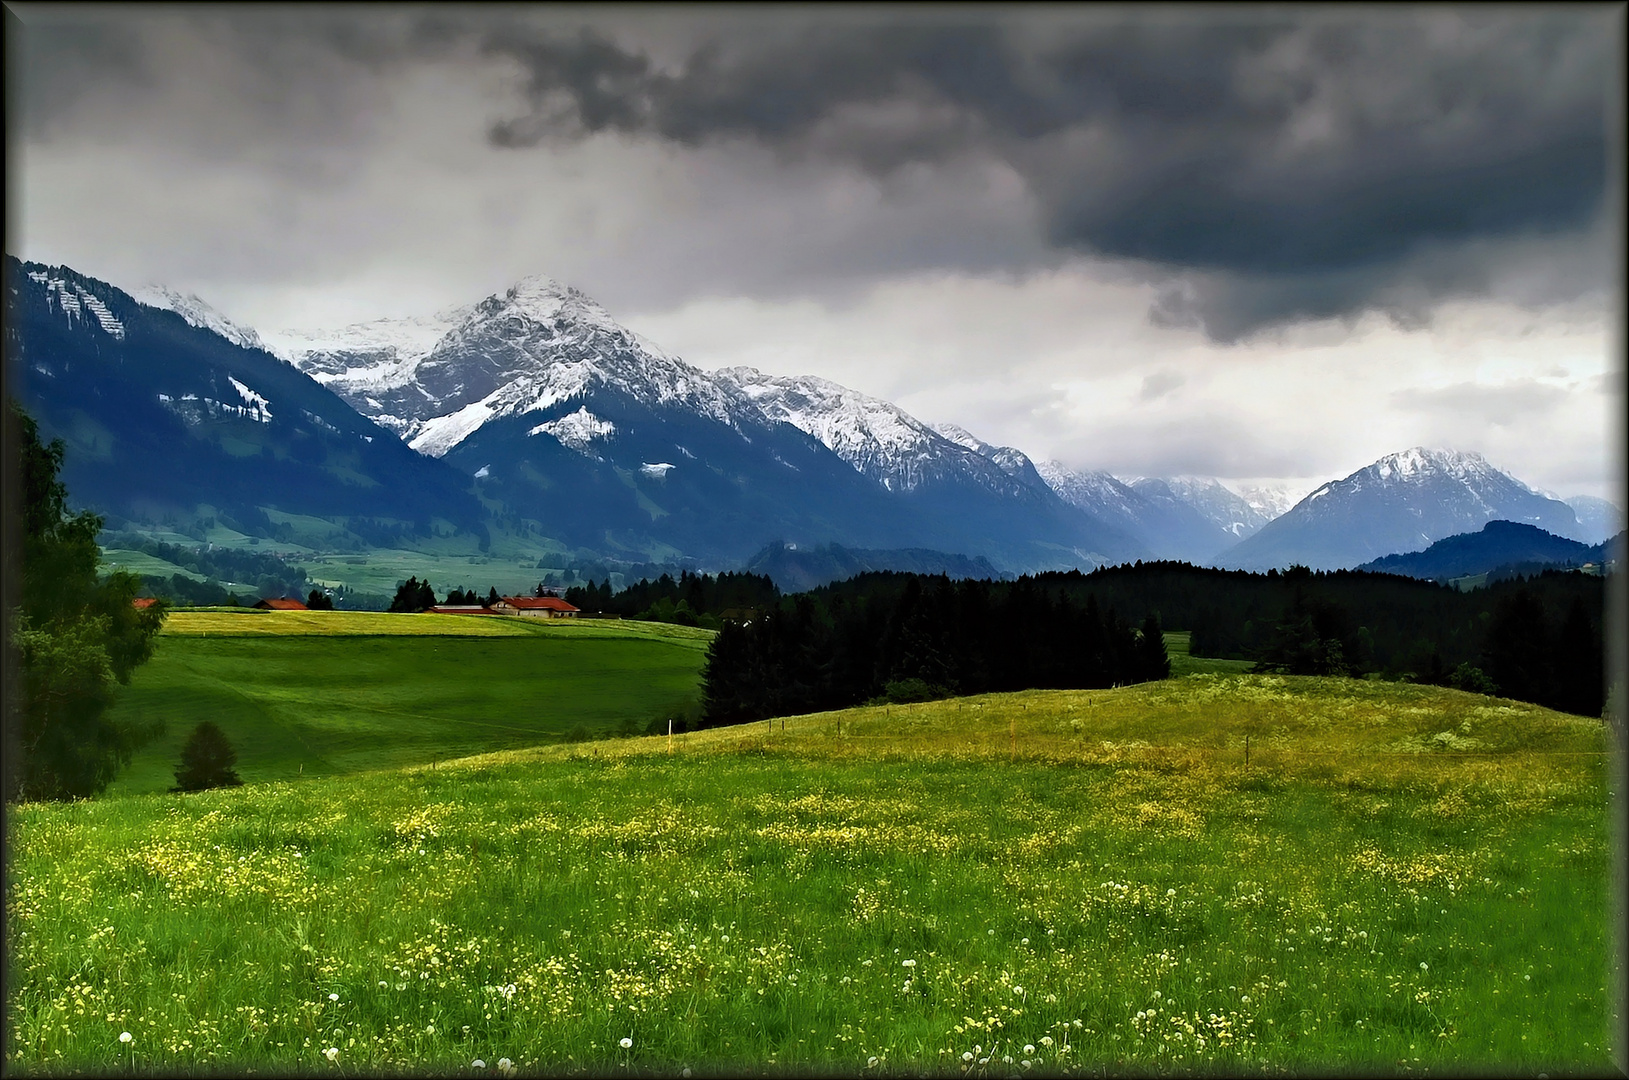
76,634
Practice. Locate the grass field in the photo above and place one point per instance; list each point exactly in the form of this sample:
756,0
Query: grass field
1401,879
309,693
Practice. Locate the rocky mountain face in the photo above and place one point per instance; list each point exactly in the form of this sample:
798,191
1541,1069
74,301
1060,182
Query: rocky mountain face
575,421
534,404
165,406
1598,519
1238,514
1401,503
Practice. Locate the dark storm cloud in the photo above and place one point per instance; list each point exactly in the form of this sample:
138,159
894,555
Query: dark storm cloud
1265,167
1304,161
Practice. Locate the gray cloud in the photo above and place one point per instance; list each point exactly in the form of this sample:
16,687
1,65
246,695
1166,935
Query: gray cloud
1502,405
1266,167
1317,160
1159,384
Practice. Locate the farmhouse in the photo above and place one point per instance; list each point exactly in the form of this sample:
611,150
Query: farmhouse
281,603
536,607
141,603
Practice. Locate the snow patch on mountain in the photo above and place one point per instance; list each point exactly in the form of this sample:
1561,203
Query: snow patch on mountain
441,434
197,313
578,430
407,339
74,300
1090,490
258,406
878,438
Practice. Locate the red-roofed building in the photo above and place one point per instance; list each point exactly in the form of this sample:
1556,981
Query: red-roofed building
141,603
536,607
282,603
461,609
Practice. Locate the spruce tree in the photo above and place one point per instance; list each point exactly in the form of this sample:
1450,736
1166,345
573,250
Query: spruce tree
206,760
1155,662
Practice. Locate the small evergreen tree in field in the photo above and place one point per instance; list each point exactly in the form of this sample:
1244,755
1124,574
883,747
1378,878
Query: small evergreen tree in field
319,601
1154,661
206,760
491,596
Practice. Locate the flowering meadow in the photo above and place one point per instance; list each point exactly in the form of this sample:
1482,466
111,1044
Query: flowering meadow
1399,878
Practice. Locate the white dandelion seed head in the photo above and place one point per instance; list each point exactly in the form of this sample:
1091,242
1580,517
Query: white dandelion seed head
686,1072
967,1055
626,1043
1156,995
333,997
477,1064
383,984
429,1029
1018,990
1424,966
1023,941
908,963
1029,1048
871,1063
125,1036
332,1053
1046,1040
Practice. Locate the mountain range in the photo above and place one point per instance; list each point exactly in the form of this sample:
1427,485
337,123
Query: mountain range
533,412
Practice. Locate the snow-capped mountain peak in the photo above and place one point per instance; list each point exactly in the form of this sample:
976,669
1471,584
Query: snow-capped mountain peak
197,313
876,437
1402,502
1412,464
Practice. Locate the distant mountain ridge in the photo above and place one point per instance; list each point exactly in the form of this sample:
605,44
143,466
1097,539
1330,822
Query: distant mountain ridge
1402,502
801,569
1498,544
541,396
165,406
534,406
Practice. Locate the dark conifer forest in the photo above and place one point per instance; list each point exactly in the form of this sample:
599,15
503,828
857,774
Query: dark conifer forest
898,636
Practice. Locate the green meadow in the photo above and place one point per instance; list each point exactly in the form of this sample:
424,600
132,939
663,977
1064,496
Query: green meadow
1220,872
309,693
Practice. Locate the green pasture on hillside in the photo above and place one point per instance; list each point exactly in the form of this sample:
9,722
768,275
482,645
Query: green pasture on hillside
315,693
1176,646
1399,879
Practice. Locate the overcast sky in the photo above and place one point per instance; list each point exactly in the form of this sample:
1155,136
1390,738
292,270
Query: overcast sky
1263,245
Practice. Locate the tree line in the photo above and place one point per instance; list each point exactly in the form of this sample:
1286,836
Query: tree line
914,637
690,600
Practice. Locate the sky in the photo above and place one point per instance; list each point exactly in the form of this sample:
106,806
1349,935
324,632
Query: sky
1264,244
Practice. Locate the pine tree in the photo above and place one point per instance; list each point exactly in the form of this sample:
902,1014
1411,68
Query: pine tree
206,760
1155,662
1579,666
1516,652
